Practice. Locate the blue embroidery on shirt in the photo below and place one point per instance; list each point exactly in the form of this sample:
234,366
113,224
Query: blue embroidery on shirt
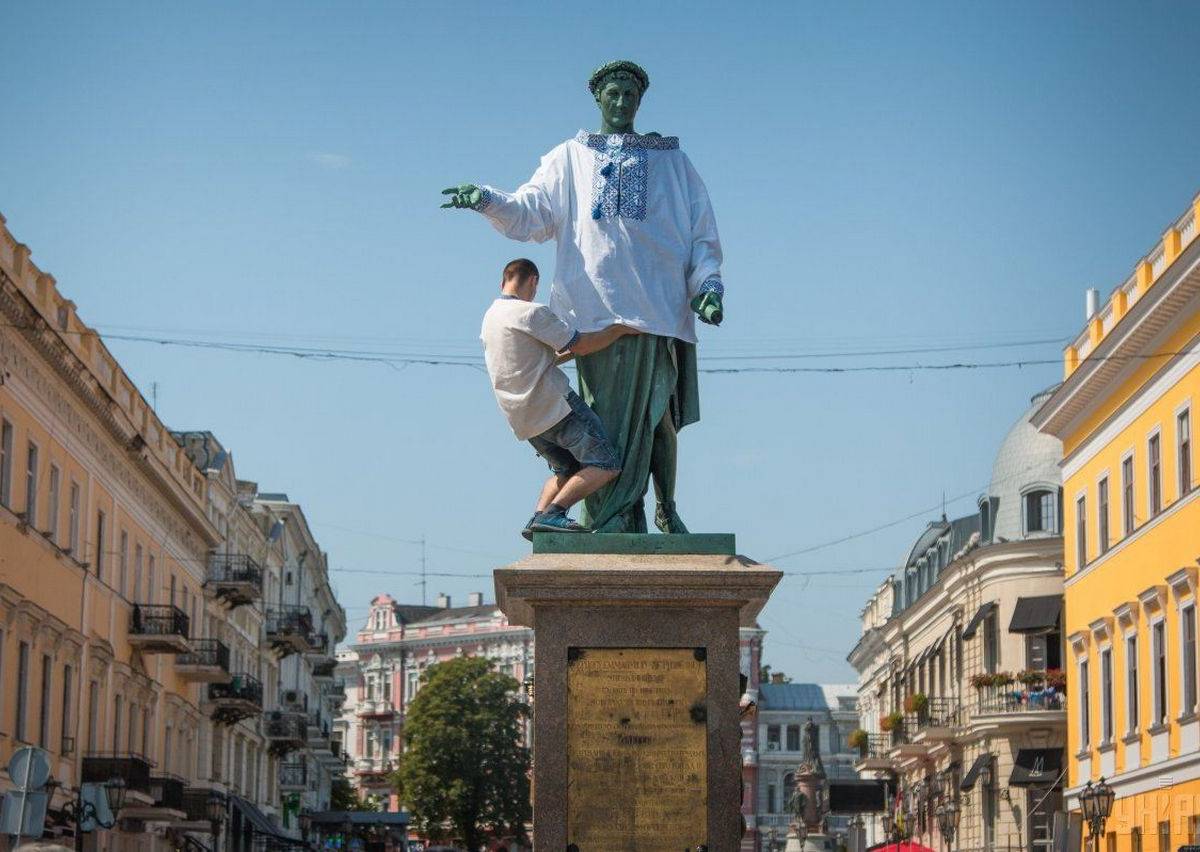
712,285
620,176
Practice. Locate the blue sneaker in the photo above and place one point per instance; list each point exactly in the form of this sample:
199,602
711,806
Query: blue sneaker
557,523
527,530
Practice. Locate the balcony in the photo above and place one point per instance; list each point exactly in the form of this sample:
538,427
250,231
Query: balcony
373,770
320,651
323,670
202,808
286,731
875,755
335,691
936,723
378,708
293,777
207,661
158,629
234,578
165,801
289,629
1015,705
238,699
102,767
318,730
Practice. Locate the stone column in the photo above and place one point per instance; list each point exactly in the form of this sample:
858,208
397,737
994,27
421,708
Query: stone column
636,729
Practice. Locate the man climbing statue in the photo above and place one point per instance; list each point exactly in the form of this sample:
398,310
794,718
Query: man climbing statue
637,245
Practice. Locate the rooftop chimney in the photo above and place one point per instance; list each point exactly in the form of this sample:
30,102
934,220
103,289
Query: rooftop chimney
443,601
475,599
777,677
1093,302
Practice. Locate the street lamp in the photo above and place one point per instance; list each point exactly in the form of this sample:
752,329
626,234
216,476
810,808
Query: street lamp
79,811
1096,803
947,815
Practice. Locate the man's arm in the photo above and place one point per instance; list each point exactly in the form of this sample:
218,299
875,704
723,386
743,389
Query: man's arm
594,341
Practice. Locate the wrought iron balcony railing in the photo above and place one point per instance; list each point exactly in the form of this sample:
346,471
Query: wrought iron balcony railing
158,628
1016,698
234,577
206,653
938,713
201,804
101,767
166,790
238,699
293,775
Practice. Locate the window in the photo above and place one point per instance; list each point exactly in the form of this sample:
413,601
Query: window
100,545
123,567
771,798
6,451
1188,629
1085,727
73,521
137,573
22,691
1039,512
31,485
44,711
773,737
1131,681
1135,839
1102,517
1154,465
93,728
131,728
1160,673
1110,842
793,738
66,710
52,503
150,589
1183,446
1106,706
118,712
1081,531
1164,836
991,642
1127,494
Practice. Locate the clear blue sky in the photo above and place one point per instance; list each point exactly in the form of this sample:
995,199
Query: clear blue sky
885,176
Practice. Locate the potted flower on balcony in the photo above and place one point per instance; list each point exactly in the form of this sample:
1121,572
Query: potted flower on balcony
1003,679
916,703
858,740
1056,678
890,721
982,680
1031,677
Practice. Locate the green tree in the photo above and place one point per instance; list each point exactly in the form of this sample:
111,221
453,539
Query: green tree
464,764
342,797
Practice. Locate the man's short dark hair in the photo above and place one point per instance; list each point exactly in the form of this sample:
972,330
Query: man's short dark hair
520,270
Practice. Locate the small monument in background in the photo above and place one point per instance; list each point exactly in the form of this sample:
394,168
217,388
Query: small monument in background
810,799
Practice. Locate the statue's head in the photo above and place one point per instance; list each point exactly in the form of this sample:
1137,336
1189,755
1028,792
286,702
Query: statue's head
618,88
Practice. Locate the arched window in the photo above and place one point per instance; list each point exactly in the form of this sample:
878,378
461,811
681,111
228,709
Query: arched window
789,785
1039,510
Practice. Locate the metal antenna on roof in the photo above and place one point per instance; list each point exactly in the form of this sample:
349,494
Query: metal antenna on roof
422,569
154,396
943,505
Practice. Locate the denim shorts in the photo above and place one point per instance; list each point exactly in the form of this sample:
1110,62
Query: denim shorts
576,441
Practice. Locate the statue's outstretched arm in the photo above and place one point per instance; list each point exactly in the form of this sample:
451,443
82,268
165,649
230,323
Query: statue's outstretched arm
465,195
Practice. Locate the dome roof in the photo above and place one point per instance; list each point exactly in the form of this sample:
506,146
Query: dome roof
1027,458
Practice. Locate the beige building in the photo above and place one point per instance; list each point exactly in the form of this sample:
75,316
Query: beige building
146,617
960,679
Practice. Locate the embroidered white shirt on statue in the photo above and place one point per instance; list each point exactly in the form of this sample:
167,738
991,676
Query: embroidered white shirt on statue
637,239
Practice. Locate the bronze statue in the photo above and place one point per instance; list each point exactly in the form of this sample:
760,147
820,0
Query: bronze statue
637,245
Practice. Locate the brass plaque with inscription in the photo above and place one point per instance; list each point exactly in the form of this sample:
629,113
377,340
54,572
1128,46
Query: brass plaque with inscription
637,749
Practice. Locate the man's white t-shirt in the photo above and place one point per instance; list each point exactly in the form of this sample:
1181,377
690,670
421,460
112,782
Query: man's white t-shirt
520,343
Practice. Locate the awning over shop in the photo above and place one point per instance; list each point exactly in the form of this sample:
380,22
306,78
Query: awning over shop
977,619
982,762
1036,766
1036,615
356,818
260,825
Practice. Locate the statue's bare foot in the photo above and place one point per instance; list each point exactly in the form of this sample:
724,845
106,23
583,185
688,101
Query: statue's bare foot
667,519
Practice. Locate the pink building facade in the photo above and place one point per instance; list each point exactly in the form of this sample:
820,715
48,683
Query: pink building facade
382,672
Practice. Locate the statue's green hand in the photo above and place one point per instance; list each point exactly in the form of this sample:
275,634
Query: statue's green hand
709,308
464,195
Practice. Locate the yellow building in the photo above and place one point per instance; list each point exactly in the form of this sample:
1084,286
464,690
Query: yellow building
1126,415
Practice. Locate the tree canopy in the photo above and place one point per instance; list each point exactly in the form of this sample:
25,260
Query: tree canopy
464,763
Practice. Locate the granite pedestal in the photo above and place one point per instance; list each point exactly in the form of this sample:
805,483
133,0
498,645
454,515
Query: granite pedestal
636,685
